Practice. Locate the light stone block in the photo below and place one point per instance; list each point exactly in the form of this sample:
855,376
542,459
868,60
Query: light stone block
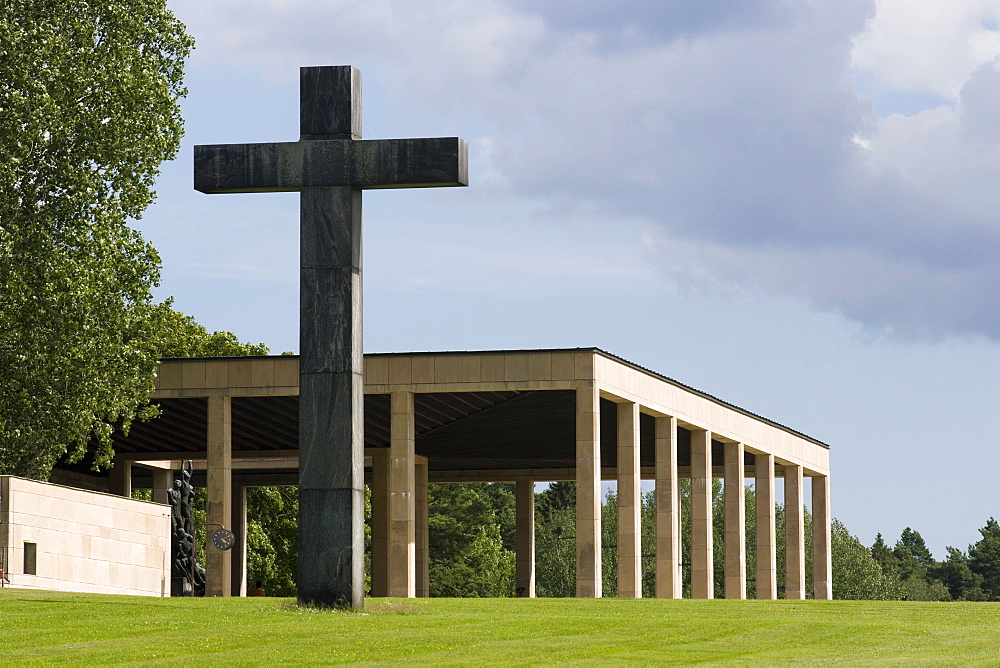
402,497
702,562
469,369
423,368
767,568
516,367
217,374
629,504
241,373
540,366
668,510
400,370
821,539
735,523
563,366
169,375
524,538
588,493
71,555
583,365
795,549
376,370
262,374
218,566
446,369
193,374
286,372
493,368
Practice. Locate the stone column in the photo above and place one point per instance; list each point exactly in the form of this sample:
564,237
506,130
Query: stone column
735,522
795,546
120,479
588,492
524,538
702,562
629,503
218,493
402,510
421,530
822,563
163,480
767,560
380,522
239,549
668,511
331,395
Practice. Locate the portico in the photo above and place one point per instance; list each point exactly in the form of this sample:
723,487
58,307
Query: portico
522,416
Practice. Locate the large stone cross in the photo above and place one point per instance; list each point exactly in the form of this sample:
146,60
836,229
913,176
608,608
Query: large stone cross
329,166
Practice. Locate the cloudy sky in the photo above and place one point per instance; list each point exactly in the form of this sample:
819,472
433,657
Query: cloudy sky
792,205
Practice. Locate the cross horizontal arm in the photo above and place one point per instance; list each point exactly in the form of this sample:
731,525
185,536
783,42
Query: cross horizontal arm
364,164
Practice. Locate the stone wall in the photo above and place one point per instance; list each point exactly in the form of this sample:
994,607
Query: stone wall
83,541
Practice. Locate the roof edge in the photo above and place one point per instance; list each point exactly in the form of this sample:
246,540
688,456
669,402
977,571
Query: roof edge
592,349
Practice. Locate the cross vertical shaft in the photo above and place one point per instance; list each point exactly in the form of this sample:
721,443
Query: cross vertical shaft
331,390
331,400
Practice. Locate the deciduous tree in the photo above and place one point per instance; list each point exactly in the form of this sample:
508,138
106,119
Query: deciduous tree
184,337
856,574
88,111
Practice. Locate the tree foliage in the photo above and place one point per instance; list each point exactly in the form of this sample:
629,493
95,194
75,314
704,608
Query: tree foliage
88,111
184,337
984,559
957,576
856,574
272,538
467,553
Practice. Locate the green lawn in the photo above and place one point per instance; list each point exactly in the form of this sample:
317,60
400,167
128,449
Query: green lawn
46,627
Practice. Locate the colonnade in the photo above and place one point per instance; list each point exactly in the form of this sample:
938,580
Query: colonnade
668,535
399,510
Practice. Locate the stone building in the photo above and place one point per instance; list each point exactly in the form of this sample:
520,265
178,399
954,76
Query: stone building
65,539
522,416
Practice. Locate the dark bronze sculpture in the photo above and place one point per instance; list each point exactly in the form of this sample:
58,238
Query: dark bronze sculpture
187,575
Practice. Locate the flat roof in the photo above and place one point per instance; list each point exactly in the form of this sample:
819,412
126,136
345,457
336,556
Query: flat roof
599,351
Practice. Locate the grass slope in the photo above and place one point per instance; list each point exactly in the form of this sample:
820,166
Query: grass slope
48,627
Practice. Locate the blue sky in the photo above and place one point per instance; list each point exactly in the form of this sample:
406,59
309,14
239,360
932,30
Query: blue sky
790,205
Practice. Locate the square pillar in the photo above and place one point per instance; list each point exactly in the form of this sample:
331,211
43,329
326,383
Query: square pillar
822,560
402,509
735,522
702,562
421,529
795,544
239,549
120,479
588,492
668,510
380,522
767,559
218,493
331,536
524,538
629,503
163,480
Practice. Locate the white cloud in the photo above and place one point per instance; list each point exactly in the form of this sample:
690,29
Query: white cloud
735,132
928,46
